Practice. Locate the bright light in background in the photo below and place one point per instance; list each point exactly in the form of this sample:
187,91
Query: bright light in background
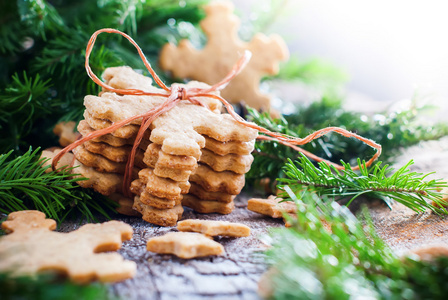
391,49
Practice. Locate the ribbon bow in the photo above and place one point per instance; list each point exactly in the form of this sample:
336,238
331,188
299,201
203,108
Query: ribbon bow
176,93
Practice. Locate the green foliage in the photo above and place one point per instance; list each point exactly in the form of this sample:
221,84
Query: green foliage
41,16
308,261
46,41
391,130
47,287
23,103
378,182
12,31
314,72
24,184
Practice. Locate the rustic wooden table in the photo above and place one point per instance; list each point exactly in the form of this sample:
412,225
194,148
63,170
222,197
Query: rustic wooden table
235,274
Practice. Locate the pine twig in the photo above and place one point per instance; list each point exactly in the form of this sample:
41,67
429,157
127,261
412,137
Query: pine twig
24,184
392,131
49,287
381,182
329,254
22,104
47,40
40,15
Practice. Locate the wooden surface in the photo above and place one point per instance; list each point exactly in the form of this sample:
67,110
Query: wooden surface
235,274
401,228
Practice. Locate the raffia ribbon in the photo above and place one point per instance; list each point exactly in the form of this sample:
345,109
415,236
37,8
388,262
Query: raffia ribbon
175,94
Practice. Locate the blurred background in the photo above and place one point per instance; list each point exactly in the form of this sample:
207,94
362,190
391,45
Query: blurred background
390,50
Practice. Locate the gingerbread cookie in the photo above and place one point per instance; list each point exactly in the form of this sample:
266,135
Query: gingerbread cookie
174,174
239,164
211,181
139,188
271,206
101,163
103,183
185,245
156,202
207,207
222,50
115,154
84,128
156,158
200,193
31,246
157,186
162,217
151,182
230,147
48,154
66,133
126,132
125,78
124,205
214,228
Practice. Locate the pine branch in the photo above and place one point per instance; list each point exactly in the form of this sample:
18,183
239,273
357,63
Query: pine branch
24,184
126,13
392,130
156,12
62,55
63,62
12,38
312,261
41,16
23,103
48,287
12,31
24,95
47,40
380,182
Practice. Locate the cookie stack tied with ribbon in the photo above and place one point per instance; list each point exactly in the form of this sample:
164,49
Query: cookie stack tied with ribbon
156,149
191,155
103,159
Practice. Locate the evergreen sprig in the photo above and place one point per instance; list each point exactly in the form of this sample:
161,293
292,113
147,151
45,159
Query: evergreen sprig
329,254
377,181
12,31
24,184
39,15
49,287
392,131
23,103
47,41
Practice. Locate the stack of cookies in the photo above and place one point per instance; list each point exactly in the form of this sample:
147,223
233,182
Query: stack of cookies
191,155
